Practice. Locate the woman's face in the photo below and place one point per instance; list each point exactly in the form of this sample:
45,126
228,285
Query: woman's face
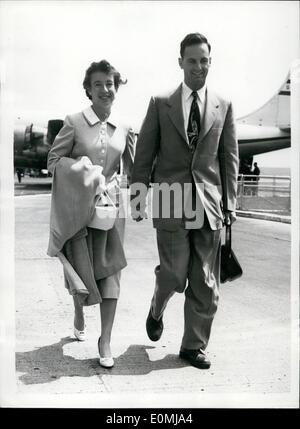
102,89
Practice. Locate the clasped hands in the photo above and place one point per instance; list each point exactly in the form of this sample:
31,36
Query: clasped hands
139,215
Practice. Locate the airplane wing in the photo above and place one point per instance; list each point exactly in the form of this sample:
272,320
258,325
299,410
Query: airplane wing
255,140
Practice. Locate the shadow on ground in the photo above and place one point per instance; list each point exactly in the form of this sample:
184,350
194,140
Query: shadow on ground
49,363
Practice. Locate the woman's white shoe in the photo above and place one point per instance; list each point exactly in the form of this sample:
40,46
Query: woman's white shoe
106,362
80,335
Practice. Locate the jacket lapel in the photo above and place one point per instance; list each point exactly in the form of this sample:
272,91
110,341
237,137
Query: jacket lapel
210,113
175,112
176,115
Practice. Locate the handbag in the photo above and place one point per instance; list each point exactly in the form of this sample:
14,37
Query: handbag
230,266
105,214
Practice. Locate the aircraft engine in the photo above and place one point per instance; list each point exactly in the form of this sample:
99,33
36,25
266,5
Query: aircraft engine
32,144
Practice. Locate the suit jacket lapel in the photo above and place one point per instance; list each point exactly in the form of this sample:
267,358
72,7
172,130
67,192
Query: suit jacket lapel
211,109
175,112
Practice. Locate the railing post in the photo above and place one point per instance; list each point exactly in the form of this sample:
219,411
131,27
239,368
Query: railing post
290,197
242,192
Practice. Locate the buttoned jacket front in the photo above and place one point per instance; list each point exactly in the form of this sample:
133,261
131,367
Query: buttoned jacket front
83,134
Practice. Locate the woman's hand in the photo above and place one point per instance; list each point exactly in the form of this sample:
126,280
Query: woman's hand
97,171
85,160
101,186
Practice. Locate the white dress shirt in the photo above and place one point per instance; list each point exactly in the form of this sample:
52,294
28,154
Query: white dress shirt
187,99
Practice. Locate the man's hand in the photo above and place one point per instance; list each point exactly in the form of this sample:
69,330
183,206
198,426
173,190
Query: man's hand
230,217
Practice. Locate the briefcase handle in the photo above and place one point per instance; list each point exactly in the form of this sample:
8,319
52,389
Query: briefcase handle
228,237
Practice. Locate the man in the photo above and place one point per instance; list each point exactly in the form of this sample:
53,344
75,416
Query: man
188,137
256,172
20,174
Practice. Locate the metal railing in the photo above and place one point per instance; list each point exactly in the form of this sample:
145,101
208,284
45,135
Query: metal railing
270,194
263,193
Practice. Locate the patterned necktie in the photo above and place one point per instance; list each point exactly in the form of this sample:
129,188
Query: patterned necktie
193,129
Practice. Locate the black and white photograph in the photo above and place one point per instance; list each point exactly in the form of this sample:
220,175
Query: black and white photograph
149,206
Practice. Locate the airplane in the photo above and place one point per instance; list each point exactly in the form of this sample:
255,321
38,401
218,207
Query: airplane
32,144
264,130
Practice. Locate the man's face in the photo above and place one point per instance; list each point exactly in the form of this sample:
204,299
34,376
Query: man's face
195,65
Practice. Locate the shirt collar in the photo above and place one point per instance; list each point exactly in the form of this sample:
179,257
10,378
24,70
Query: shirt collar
93,119
187,91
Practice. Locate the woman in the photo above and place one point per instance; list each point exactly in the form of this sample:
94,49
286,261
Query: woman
94,135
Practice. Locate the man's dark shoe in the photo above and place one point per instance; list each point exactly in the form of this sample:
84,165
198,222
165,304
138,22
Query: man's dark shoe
196,358
154,327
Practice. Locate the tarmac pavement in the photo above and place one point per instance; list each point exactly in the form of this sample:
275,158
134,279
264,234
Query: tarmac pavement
250,347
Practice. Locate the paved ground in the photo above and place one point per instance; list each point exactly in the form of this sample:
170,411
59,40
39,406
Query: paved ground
250,346
33,185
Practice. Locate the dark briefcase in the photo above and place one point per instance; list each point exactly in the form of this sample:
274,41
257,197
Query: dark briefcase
230,267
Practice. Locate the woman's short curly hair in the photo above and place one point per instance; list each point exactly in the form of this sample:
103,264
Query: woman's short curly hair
105,67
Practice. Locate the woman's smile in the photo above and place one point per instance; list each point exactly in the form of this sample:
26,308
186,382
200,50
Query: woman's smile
102,89
105,97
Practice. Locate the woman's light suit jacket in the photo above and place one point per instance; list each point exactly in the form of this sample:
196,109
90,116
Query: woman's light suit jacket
81,137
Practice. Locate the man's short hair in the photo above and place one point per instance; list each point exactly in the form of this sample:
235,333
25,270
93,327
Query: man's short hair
193,39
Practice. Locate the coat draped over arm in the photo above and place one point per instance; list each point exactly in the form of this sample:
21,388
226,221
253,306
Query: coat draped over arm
87,254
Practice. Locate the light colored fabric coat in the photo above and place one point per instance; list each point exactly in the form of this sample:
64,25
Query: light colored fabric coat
87,255
73,200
